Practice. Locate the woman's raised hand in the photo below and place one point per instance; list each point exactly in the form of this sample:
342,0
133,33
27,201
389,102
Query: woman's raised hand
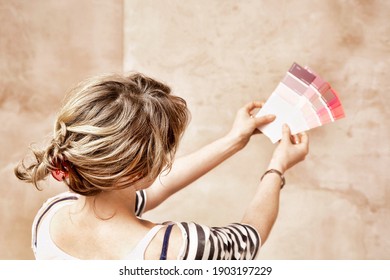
291,150
245,124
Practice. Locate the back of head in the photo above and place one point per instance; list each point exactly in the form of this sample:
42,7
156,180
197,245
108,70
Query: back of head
112,131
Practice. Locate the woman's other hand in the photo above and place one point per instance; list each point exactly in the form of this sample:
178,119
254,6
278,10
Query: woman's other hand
245,124
291,150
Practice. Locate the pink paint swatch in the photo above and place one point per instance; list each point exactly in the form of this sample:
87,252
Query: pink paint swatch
303,100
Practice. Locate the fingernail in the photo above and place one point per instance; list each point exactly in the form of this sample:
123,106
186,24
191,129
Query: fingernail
271,117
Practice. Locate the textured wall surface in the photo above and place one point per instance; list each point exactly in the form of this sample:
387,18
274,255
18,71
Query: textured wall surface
218,55
221,54
45,48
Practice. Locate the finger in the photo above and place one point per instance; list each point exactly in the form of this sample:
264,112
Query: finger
304,138
304,142
259,121
295,139
253,105
286,133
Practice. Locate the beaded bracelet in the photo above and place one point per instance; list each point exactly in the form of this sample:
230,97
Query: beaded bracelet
277,172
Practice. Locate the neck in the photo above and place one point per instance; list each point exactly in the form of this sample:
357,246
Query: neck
108,204
113,203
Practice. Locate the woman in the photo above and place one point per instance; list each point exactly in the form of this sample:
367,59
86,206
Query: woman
113,145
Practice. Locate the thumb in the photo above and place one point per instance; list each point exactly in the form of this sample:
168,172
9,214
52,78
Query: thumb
264,120
286,133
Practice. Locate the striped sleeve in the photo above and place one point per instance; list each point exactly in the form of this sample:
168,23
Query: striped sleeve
233,242
140,202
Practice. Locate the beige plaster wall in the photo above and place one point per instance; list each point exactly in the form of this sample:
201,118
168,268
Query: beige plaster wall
221,54
218,55
46,46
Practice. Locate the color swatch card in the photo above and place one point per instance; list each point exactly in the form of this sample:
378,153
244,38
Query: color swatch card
303,100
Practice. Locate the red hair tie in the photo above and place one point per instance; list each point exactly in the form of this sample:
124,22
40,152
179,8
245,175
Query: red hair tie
59,174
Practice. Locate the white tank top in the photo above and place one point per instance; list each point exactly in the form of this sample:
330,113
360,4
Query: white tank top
44,247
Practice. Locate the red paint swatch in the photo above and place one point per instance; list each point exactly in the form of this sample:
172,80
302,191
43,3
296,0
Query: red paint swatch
303,100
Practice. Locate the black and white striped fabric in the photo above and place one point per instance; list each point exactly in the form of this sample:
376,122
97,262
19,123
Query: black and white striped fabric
233,242
140,202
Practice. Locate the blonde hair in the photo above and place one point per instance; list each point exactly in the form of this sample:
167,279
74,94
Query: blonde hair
112,131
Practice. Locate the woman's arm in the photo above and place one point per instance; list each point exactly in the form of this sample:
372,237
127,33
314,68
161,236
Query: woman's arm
262,211
187,169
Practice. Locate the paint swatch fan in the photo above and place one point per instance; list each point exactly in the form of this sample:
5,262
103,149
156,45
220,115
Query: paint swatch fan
303,100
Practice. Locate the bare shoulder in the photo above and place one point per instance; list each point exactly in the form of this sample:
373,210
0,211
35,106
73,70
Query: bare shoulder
175,243
88,237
